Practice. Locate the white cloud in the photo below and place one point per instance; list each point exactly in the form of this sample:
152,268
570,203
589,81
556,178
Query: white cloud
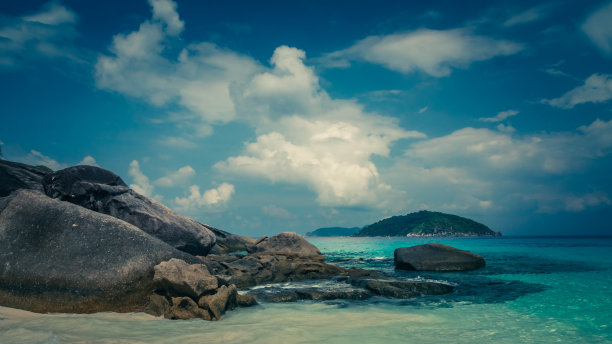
198,78
37,158
423,110
307,138
177,177
471,167
500,116
141,184
598,27
275,211
505,128
88,160
210,198
528,16
435,52
44,34
165,11
596,89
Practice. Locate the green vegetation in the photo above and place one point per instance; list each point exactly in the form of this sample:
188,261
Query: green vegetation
333,231
426,223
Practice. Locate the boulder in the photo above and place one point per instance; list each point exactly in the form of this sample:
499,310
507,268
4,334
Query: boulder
103,191
59,257
288,243
177,278
436,257
15,176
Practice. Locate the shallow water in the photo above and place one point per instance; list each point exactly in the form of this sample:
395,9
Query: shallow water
544,290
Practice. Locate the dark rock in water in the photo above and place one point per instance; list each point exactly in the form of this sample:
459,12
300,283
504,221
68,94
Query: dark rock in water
59,257
436,257
179,278
288,243
103,191
15,176
312,293
404,289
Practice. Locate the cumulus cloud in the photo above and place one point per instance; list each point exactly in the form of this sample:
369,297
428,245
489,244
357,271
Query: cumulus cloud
88,160
197,78
470,167
47,33
596,89
500,116
307,138
598,27
177,177
435,52
210,198
141,184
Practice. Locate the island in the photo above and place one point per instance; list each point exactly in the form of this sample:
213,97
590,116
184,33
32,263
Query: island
333,231
426,223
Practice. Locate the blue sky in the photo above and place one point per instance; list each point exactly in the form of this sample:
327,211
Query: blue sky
260,117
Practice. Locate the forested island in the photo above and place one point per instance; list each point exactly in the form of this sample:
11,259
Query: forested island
426,223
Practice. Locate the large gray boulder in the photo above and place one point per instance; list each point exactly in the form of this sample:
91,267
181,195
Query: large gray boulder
59,257
288,243
103,191
436,257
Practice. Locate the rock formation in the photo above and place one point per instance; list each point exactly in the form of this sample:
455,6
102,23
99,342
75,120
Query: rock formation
80,240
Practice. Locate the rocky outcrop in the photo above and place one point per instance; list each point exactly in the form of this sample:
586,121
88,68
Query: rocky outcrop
58,257
103,191
184,291
436,257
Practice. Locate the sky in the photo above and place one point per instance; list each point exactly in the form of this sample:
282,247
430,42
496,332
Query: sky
270,116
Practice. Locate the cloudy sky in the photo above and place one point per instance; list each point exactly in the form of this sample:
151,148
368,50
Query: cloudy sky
260,117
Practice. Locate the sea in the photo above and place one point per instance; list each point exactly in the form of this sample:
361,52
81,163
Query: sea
532,290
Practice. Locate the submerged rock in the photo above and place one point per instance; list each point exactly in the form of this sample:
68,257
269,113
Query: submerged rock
58,257
105,192
436,257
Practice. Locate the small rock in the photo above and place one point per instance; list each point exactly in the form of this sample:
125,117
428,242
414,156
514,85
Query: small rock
179,278
436,257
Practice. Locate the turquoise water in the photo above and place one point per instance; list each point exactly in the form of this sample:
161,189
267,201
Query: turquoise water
533,290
